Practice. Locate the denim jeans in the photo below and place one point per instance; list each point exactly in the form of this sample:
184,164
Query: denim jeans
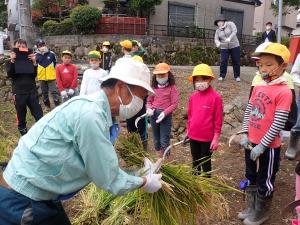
161,131
19,209
296,127
235,54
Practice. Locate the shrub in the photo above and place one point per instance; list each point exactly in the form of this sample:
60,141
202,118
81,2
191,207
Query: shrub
85,18
65,27
285,41
49,27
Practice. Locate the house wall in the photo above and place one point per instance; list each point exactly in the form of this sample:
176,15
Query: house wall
205,13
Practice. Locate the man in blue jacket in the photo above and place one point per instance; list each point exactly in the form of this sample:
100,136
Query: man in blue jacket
70,147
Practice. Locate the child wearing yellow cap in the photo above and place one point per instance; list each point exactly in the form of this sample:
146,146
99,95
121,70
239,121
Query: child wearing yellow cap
93,77
205,116
265,116
66,77
106,55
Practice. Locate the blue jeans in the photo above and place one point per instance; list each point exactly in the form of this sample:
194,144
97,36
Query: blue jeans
235,54
296,127
161,131
17,209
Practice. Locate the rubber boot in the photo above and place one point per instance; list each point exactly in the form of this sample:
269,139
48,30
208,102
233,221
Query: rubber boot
261,210
250,197
292,147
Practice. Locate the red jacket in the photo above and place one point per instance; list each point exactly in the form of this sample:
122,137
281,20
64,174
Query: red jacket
66,76
205,115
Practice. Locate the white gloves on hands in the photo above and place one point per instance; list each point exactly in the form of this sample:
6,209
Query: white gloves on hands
70,92
218,44
150,112
227,40
160,117
64,94
153,183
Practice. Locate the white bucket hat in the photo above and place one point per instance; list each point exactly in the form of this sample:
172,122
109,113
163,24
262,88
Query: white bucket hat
131,72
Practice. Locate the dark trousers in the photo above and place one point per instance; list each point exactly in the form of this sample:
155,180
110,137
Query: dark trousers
268,166
235,54
46,86
161,131
17,209
21,102
142,124
201,156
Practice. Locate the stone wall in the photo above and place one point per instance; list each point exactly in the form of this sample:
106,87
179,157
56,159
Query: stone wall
5,85
174,50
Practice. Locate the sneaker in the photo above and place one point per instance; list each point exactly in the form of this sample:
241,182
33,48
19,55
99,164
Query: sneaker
238,79
220,78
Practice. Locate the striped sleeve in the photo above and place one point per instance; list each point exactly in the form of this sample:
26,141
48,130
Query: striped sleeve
246,118
281,116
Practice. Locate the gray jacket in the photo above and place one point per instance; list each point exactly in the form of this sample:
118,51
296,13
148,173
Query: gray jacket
228,31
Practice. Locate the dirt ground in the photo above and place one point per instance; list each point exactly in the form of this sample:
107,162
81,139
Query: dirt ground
227,161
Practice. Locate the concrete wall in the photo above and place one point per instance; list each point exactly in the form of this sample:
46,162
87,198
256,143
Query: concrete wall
205,13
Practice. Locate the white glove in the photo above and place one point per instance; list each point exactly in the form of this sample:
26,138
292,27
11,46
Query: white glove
64,94
218,44
160,117
150,167
227,40
70,92
150,112
153,183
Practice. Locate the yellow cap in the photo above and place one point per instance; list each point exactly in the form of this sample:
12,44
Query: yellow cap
67,52
126,44
138,58
201,70
94,55
274,49
107,43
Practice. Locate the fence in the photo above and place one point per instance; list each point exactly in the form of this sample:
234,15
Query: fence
164,30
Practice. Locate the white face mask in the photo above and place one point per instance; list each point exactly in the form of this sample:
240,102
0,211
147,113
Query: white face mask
43,49
130,110
104,49
201,86
162,81
94,65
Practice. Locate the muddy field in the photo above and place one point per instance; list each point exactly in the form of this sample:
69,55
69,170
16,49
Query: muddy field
227,161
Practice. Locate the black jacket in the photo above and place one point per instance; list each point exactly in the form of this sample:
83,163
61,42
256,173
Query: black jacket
271,36
21,83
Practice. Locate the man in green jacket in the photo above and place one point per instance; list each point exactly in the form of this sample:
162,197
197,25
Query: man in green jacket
70,147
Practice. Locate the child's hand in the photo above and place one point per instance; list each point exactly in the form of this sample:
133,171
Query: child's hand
215,143
64,94
70,92
160,117
150,112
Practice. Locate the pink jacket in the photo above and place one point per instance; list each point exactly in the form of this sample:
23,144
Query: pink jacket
205,115
165,99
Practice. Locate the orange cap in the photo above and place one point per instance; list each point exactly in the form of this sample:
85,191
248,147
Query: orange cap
161,68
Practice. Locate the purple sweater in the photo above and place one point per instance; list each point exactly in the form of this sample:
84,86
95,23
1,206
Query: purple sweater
165,99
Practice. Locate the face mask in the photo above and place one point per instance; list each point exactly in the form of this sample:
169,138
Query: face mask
220,23
104,49
266,76
130,110
201,86
268,27
94,65
162,81
43,49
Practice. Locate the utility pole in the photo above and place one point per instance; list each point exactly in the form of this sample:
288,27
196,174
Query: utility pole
279,21
25,22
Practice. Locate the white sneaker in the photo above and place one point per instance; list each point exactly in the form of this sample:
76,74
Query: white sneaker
238,79
220,78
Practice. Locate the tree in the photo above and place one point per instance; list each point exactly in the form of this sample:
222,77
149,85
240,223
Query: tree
3,15
288,6
143,8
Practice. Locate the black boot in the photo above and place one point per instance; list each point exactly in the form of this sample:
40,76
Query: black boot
250,197
262,208
292,147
